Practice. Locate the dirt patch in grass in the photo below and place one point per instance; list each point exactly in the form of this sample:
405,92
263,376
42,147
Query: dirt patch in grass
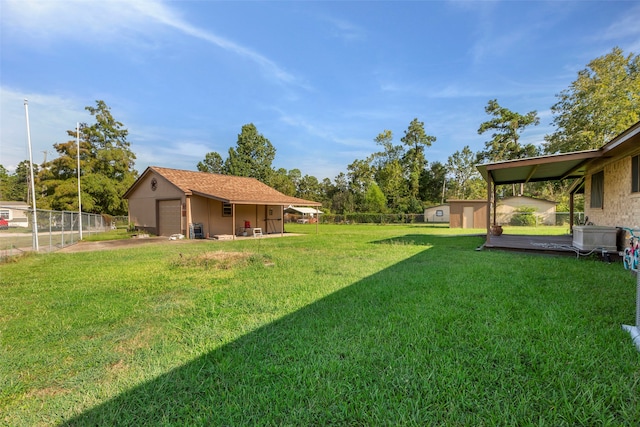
119,244
220,260
46,392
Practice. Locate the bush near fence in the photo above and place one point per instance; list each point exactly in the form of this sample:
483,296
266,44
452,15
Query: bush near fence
516,219
371,218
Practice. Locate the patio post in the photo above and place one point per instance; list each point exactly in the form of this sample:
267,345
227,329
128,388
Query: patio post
494,199
233,221
489,191
571,207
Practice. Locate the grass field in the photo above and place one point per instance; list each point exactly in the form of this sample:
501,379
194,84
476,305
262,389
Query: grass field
357,325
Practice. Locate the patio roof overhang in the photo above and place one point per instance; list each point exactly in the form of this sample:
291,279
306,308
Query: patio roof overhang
534,169
542,168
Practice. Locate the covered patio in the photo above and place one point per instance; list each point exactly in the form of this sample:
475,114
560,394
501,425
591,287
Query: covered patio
556,167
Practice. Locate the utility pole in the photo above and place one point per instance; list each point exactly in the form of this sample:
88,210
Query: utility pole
33,189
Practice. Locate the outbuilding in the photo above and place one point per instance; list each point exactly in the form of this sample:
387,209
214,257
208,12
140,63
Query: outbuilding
15,213
437,214
166,202
467,213
509,209
302,214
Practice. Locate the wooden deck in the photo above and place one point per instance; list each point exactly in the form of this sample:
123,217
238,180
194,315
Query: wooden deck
557,245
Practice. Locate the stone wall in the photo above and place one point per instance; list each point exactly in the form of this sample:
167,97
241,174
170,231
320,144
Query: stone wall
621,207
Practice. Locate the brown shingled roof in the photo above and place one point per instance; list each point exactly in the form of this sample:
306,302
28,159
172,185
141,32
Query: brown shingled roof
227,188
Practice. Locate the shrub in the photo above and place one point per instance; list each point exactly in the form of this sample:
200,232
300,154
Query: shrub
524,216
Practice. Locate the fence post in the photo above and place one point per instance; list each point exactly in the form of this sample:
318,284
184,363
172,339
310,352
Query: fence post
50,231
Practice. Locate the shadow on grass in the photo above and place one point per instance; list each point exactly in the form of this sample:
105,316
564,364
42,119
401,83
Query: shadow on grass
398,347
408,239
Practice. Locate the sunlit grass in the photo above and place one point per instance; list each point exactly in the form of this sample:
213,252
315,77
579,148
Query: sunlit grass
364,325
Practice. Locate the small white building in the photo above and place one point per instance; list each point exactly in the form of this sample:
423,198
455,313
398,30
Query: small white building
15,213
437,214
509,207
301,214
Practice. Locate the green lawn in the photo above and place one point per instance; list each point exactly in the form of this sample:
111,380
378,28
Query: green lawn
357,325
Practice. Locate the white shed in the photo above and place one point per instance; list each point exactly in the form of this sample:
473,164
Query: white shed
437,214
301,214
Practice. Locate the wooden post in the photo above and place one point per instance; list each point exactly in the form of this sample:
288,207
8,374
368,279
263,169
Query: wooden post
571,207
489,191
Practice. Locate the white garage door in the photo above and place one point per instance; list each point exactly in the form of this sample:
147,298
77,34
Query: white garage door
169,214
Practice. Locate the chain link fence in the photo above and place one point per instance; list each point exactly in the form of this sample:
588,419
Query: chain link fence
371,218
513,219
533,219
55,229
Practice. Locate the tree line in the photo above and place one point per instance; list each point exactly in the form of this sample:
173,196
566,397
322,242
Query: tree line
602,102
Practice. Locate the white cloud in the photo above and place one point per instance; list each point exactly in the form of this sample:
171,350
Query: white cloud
626,31
109,21
50,116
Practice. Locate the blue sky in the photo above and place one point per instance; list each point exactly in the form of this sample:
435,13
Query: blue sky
319,79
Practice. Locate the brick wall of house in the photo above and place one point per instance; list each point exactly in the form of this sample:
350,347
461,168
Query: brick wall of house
621,207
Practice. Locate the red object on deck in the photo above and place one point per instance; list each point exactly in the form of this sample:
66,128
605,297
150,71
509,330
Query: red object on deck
247,224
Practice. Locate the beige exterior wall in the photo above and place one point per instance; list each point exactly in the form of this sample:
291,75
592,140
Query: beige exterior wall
544,209
456,213
208,212
430,214
143,202
620,207
143,211
15,213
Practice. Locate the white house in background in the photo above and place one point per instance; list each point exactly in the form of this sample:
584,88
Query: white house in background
301,214
437,214
16,213
507,208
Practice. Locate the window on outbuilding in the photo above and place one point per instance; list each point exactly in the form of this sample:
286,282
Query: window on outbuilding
597,190
635,174
227,209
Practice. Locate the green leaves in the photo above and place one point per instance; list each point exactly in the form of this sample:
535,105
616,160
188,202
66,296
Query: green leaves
601,103
252,156
507,126
106,167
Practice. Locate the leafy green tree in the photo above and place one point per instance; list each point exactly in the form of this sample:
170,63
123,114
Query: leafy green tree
4,183
507,127
19,188
416,139
360,175
15,186
326,188
281,181
600,104
389,173
212,163
106,166
309,188
108,147
462,166
375,200
434,183
342,198
252,156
